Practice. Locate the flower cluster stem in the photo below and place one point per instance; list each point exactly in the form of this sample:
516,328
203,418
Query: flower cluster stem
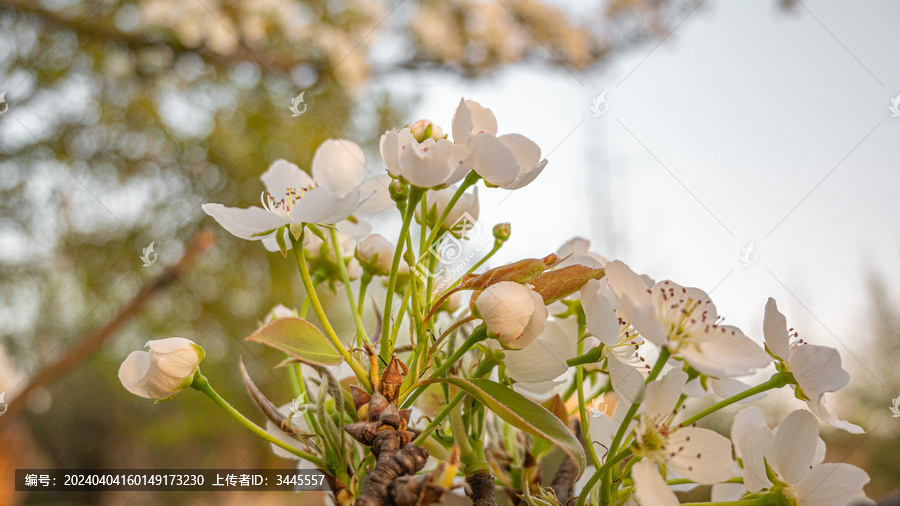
201,384
777,380
300,255
387,346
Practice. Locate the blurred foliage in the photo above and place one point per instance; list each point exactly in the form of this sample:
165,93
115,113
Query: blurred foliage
125,116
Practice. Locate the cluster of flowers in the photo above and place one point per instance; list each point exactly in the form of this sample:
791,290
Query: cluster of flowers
545,341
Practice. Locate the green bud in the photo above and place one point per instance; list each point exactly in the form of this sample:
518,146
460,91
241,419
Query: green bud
502,231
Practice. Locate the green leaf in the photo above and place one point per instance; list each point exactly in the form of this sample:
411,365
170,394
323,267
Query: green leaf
299,339
522,413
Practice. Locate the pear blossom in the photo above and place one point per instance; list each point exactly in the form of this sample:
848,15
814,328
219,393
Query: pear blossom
432,163
701,455
465,209
816,369
617,336
686,321
165,370
794,454
514,314
292,197
509,161
376,254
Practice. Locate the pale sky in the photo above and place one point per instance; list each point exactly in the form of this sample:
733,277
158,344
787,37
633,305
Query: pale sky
747,124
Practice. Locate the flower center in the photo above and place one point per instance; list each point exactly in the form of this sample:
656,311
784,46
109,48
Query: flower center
682,315
284,206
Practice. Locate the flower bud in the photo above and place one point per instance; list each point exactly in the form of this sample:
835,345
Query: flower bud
424,129
502,232
375,254
279,311
165,370
514,314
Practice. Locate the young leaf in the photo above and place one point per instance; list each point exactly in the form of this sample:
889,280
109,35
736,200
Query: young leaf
299,339
522,413
555,285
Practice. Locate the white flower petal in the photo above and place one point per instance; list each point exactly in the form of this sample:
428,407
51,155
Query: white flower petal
795,446
132,370
650,488
775,331
244,223
319,205
627,382
755,446
702,455
376,188
728,355
282,175
746,421
818,370
545,359
662,394
471,118
820,410
338,165
391,144
601,320
833,485
634,296
493,161
426,165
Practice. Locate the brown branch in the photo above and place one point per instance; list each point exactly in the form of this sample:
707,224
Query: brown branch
563,483
481,489
90,343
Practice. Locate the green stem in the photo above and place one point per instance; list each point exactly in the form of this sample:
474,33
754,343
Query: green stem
300,255
202,384
777,380
478,335
387,346
603,470
363,286
471,179
582,410
361,334
439,418
605,487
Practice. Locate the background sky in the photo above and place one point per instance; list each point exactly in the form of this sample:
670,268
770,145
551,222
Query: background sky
747,124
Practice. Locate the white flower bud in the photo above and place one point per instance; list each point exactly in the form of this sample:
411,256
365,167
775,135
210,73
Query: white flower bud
376,254
279,311
514,314
165,370
424,129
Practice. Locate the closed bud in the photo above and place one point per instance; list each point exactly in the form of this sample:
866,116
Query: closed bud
513,313
375,255
502,231
424,129
168,368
